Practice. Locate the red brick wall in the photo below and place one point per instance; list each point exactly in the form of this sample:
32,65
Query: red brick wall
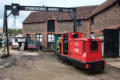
85,28
60,28
35,28
107,18
64,26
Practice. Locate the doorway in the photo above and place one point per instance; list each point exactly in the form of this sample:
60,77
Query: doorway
111,43
50,35
50,41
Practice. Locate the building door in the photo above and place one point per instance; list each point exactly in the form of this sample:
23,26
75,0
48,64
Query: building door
50,43
39,41
111,43
50,36
28,37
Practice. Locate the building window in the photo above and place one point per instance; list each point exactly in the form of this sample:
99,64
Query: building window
51,26
79,22
50,37
39,37
92,21
28,37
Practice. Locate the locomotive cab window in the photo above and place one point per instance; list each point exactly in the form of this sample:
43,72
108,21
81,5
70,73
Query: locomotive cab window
75,35
94,46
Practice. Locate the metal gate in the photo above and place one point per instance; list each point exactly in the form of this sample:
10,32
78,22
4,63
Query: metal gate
111,43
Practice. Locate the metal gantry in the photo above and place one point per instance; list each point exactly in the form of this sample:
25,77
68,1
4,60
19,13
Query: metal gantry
15,8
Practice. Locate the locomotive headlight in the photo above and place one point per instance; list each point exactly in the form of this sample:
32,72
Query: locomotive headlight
92,36
14,7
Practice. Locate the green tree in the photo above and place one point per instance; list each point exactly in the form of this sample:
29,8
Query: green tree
12,31
19,31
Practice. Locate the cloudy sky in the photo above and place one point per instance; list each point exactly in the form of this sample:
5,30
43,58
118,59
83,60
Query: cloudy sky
53,3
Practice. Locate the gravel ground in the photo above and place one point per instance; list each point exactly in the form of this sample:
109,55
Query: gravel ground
46,66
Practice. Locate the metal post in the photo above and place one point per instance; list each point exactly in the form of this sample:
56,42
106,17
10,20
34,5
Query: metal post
7,43
75,21
90,29
5,36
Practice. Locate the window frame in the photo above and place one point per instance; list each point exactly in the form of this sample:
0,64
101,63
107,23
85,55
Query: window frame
51,37
29,37
39,37
51,26
79,22
92,21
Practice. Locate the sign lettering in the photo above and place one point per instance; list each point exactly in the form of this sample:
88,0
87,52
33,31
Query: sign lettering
53,9
49,9
35,8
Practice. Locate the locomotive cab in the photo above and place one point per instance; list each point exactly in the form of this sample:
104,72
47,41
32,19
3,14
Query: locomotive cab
92,55
84,53
91,50
66,39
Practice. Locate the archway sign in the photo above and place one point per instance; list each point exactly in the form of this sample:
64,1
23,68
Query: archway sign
15,8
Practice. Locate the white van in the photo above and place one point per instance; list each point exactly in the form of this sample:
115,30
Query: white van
16,40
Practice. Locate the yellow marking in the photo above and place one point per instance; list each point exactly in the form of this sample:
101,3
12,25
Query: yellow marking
3,42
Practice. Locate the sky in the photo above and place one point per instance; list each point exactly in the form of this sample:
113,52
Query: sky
52,3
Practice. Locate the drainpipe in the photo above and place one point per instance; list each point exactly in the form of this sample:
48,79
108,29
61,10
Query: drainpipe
90,28
75,22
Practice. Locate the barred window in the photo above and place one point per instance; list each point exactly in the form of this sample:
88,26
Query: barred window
39,37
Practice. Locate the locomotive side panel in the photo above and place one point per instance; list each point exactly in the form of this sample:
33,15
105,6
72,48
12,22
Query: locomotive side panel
76,49
93,51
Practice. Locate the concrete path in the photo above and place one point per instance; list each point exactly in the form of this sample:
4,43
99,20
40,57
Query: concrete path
115,62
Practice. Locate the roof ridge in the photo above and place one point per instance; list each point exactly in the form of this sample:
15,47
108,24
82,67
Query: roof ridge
102,7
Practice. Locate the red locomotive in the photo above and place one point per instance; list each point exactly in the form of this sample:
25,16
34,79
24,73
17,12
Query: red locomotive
84,53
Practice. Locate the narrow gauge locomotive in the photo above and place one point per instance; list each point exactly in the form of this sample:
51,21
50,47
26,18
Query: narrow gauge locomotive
84,53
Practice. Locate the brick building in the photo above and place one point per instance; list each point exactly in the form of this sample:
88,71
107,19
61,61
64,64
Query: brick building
43,25
105,16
